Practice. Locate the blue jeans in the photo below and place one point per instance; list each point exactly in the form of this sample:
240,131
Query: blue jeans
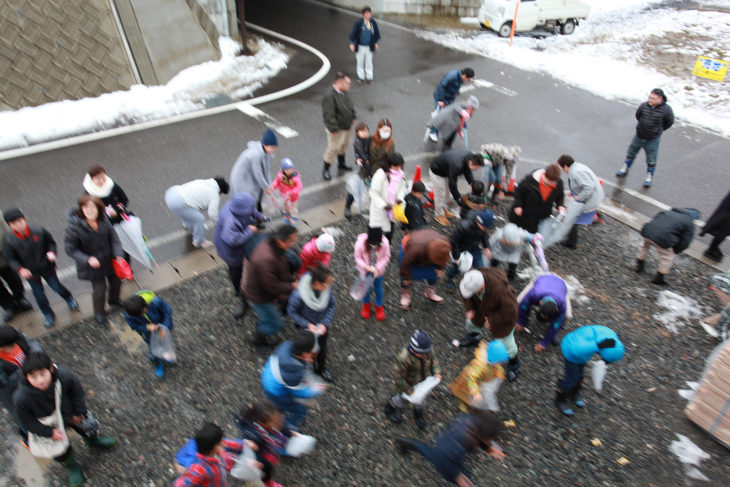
419,273
573,376
378,288
191,218
36,286
270,318
453,270
493,175
650,146
293,410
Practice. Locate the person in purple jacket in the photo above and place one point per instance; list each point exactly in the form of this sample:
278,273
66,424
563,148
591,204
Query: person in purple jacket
548,293
236,225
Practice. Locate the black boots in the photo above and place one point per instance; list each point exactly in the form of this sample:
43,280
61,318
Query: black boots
405,445
326,172
348,204
659,279
714,254
393,413
418,418
341,164
639,266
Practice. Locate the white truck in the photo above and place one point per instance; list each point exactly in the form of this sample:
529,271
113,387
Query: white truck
562,15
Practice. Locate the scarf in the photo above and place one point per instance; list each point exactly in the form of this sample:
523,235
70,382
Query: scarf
309,296
394,178
98,191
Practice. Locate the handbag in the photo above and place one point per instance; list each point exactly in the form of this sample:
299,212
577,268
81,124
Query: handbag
44,446
122,269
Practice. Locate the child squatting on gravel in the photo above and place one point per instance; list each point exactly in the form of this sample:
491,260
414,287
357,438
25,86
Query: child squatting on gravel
413,365
485,367
146,313
463,436
49,399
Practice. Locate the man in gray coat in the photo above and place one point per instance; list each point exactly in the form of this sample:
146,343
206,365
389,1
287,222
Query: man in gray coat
586,194
250,173
452,119
338,113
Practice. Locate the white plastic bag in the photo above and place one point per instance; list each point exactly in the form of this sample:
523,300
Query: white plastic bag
598,373
421,390
162,344
361,286
299,445
466,260
272,205
245,467
359,190
489,395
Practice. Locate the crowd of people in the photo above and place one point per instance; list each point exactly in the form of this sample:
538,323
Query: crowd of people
274,280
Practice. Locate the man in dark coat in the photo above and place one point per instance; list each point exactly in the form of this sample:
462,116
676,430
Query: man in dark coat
12,297
444,171
31,252
718,226
654,116
338,113
536,196
364,38
268,277
447,91
14,348
669,232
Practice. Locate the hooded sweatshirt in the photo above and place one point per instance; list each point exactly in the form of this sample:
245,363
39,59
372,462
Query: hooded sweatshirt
250,173
232,231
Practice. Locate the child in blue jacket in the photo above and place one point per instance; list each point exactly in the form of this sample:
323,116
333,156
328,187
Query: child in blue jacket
145,314
283,377
578,347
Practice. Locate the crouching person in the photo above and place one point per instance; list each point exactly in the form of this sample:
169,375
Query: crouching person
48,400
146,314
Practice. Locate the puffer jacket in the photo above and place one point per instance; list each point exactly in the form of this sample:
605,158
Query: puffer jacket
267,274
231,229
581,344
652,121
448,87
311,256
534,209
82,242
671,229
283,374
467,236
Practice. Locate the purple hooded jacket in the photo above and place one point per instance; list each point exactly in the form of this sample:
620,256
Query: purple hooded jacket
546,285
232,231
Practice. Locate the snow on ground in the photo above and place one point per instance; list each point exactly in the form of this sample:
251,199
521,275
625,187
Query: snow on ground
623,50
690,455
677,310
236,76
688,394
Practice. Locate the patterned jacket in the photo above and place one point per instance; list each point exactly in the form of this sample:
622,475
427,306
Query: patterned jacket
410,370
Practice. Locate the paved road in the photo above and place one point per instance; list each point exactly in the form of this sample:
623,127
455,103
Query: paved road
547,118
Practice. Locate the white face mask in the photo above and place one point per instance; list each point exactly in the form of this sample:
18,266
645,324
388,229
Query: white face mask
384,133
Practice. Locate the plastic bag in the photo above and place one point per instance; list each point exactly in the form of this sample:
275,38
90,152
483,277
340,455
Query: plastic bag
466,260
421,390
361,286
399,214
359,190
299,445
122,269
245,468
598,373
272,205
162,344
489,395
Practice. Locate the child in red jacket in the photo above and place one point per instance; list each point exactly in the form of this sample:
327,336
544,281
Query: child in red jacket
289,185
317,251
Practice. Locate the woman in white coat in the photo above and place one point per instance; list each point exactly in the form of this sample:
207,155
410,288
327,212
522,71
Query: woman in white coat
386,190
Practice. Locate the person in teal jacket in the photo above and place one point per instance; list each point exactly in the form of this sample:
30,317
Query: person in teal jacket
145,313
578,347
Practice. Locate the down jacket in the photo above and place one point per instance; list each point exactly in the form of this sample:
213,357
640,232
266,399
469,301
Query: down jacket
498,303
448,87
581,344
232,231
267,274
652,121
283,375
671,229
82,242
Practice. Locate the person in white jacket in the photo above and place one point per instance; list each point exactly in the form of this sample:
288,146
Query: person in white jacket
189,199
387,189
586,194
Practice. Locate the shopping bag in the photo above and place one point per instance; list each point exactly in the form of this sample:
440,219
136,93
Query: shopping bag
122,269
299,445
361,287
44,446
421,390
245,466
359,190
162,344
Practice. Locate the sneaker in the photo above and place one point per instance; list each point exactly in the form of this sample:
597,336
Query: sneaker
49,320
160,369
205,244
649,180
448,214
512,375
433,136
564,408
24,304
393,413
73,305
621,173
326,376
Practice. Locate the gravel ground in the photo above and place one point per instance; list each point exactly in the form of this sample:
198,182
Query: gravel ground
635,417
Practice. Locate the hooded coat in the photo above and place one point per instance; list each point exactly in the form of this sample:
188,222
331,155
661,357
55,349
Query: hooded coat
671,229
379,199
498,303
467,236
82,242
250,173
534,209
581,344
232,231
267,274
311,256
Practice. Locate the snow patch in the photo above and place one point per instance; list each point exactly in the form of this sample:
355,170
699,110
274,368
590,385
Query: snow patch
334,231
236,76
679,310
690,455
576,291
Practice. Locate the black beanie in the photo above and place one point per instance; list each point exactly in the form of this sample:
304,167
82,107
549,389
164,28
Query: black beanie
12,214
8,335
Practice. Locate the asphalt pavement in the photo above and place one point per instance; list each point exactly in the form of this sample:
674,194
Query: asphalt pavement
544,116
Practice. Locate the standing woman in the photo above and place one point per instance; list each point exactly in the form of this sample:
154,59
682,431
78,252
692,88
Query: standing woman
99,185
387,189
92,242
381,146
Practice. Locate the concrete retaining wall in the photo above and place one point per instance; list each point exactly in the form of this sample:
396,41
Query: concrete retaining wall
461,8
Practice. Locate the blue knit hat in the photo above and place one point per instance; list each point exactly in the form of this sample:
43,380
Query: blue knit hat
269,138
420,343
497,352
286,163
485,218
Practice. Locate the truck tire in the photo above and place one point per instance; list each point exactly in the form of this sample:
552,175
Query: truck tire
567,27
505,30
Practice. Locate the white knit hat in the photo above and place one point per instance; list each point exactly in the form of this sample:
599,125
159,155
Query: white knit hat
471,283
325,243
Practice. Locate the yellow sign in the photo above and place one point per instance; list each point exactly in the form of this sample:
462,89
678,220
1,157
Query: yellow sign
710,68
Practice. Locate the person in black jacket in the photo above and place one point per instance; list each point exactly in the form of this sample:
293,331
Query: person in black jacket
98,184
654,116
719,227
445,170
535,197
469,235
670,232
92,242
12,294
14,348
35,399
31,252
413,203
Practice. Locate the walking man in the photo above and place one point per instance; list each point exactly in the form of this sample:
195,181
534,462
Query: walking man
364,38
338,113
654,117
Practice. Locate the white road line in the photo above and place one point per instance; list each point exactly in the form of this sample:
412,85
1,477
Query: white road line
105,134
482,83
268,120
